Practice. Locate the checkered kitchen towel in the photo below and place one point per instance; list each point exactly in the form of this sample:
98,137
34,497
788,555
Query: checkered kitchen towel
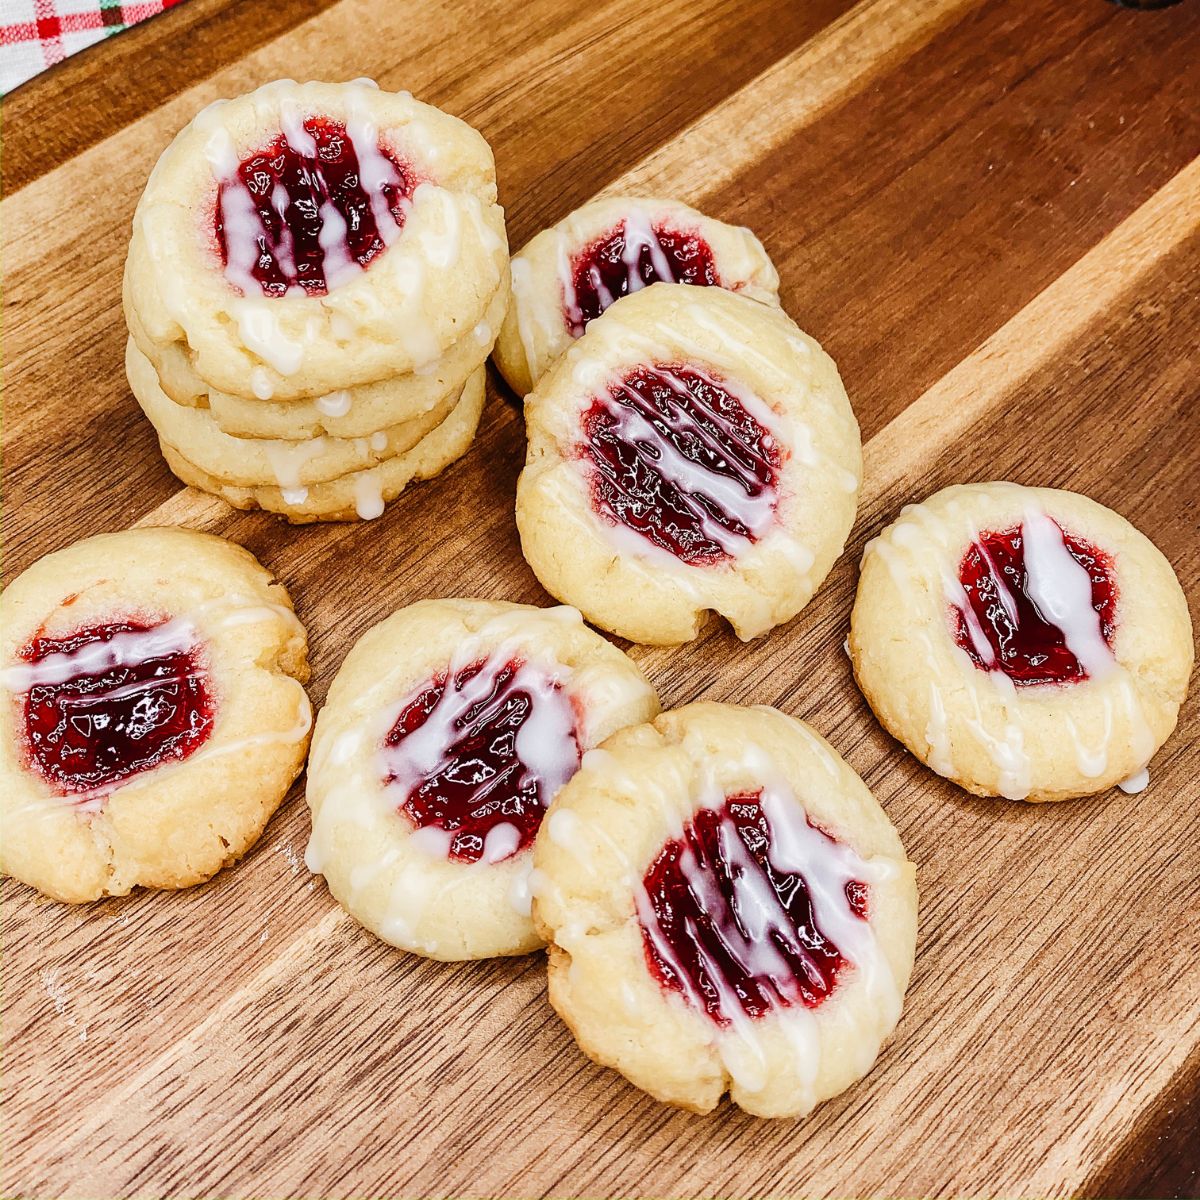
35,34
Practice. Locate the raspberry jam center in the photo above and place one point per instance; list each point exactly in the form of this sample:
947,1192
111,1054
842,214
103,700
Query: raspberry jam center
679,459
479,759
629,258
1039,618
310,210
730,921
110,701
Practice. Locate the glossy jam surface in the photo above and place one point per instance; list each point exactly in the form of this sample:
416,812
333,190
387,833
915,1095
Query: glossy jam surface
629,258
1027,648
97,728
302,210
481,757
732,927
677,458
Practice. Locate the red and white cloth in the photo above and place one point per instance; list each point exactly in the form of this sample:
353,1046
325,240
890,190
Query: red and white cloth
35,34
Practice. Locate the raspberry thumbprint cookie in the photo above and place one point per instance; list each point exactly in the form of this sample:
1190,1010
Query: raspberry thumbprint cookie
569,274
313,262
319,479
154,712
693,452
448,730
727,908
1022,642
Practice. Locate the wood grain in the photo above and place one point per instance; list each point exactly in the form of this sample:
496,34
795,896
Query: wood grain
989,212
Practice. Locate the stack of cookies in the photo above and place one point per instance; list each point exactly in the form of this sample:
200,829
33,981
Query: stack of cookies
317,274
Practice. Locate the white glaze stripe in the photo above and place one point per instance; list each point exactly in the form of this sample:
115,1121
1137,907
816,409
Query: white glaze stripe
127,649
796,848
1061,589
135,646
179,633
826,866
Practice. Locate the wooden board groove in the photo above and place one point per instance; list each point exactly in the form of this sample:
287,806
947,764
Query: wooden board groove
988,210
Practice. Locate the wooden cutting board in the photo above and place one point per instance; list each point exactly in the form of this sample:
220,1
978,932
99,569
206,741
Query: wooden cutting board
987,211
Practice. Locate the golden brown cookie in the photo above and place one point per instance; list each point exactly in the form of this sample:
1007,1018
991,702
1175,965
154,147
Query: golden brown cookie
154,714
1023,642
448,729
728,909
694,452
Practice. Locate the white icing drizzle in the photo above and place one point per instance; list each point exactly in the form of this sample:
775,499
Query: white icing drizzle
638,234
1139,781
362,801
335,404
721,331
279,335
238,214
126,649
658,567
544,745
1006,749
690,478
260,384
291,121
244,228
523,304
368,495
825,865
337,263
520,892
1061,589
937,733
501,842
287,460
796,438
262,333
1144,742
804,451
796,847
443,248
376,170
1092,761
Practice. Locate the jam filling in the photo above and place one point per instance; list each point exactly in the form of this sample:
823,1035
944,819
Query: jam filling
629,258
481,758
724,925
123,710
1004,629
310,210
677,458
